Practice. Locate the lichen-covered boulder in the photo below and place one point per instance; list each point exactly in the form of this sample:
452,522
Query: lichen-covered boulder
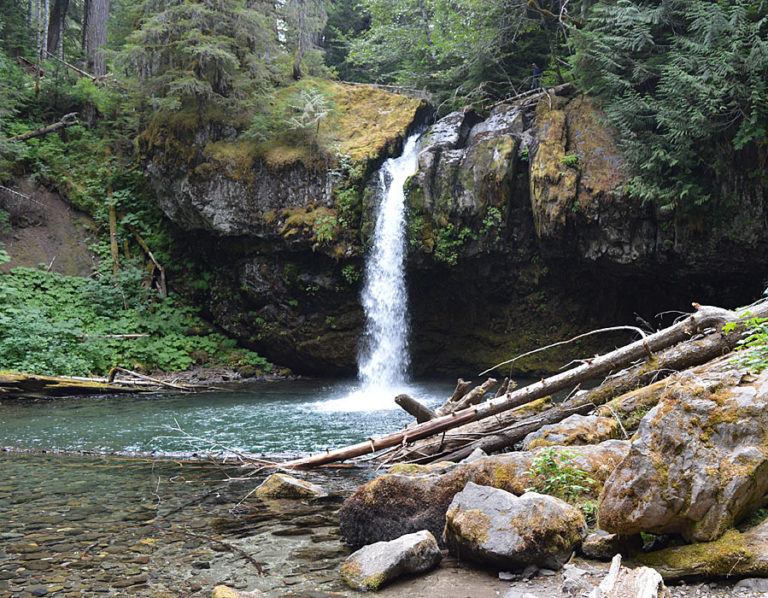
698,463
281,485
735,554
377,564
496,528
414,499
576,429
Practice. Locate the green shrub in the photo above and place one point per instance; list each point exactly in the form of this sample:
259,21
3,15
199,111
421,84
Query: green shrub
552,472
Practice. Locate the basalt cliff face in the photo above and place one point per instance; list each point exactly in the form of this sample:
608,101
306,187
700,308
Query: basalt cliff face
521,233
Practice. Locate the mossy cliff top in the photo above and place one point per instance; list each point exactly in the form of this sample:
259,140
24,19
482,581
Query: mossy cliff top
361,121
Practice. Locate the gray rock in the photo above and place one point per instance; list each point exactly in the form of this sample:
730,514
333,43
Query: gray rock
375,565
496,528
574,430
574,583
508,576
475,455
698,463
519,594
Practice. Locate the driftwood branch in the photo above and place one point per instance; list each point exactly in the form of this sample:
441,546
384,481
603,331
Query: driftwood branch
66,121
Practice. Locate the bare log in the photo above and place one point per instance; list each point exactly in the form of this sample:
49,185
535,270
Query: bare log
422,413
704,317
498,432
66,121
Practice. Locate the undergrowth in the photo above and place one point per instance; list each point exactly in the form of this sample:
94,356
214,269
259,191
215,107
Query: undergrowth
61,325
753,348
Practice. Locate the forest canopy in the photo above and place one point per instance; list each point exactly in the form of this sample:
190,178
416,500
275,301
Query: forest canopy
683,81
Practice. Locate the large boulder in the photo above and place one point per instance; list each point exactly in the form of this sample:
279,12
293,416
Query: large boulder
573,430
498,529
698,463
377,564
395,504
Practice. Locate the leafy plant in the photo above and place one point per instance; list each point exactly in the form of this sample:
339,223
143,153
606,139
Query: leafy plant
351,273
553,472
753,349
325,228
570,160
450,240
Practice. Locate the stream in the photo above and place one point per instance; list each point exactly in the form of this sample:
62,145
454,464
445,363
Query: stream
122,508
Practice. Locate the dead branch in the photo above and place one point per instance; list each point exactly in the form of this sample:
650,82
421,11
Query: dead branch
560,343
161,287
113,372
66,121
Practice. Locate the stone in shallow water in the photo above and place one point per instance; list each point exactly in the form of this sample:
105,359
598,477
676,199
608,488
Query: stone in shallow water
377,564
280,485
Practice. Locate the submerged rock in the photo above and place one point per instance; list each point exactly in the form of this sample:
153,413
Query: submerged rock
227,592
392,505
496,528
698,463
576,429
377,564
281,485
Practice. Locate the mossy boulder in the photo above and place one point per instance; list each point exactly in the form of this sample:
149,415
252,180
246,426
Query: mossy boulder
573,430
498,529
395,504
377,564
735,554
698,463
281,485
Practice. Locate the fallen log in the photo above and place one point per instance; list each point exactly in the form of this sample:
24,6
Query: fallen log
17,385
498,436
422,413
704,317
66,121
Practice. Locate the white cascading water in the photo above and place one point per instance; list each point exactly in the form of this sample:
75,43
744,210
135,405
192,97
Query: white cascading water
383,360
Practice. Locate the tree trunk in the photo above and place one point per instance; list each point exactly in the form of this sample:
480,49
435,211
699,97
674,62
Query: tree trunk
55,43
95,14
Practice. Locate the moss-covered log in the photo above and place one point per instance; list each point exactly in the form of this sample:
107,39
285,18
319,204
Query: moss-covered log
16,385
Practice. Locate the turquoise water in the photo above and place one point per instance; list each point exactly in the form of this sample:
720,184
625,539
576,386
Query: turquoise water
265,418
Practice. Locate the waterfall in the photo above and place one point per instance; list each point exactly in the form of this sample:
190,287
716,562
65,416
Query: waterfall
383,360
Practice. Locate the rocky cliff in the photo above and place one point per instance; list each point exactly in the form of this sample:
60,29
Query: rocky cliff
521,232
